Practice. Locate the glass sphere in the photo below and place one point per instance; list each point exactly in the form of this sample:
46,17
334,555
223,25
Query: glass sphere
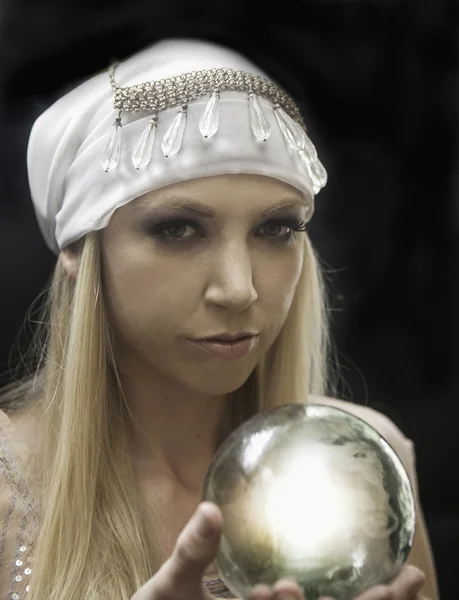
312,493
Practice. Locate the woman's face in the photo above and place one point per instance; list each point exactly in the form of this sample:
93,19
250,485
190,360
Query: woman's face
199,258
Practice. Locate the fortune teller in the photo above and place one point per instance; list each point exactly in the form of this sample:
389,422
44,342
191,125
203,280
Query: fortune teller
175,189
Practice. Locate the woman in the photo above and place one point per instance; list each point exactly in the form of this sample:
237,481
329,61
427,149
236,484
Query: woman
175,191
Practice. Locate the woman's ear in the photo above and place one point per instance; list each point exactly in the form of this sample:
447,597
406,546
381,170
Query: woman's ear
71,260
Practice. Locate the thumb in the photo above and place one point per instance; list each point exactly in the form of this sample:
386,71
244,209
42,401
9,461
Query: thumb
196,546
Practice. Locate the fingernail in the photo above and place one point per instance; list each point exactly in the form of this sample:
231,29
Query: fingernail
203,525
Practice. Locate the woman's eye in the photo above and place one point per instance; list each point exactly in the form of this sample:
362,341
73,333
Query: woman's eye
283,229
184,230
175,230
274,229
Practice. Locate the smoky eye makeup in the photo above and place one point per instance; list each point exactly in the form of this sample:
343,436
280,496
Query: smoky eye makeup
150,222
178,232
183,225
162,218
160,214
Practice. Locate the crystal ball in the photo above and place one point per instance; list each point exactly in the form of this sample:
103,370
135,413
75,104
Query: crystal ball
313,493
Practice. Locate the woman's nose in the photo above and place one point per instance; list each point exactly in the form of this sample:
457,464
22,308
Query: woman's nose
231,282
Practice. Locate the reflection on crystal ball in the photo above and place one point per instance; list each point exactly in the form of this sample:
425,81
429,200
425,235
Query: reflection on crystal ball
312,493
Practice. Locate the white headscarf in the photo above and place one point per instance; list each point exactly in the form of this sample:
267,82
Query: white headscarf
73,195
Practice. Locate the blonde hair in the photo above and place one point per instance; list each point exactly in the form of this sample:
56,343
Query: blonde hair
92,542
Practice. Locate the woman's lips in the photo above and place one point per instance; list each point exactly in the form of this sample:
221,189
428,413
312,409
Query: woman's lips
226,349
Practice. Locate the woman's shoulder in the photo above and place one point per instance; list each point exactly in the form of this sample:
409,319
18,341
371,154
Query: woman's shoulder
17,445
6,425
18,430
11,440
379,421
17,441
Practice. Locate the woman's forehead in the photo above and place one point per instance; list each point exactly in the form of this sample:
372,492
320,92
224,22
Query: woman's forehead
207,193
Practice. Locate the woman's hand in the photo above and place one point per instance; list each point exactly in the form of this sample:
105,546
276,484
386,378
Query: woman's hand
180,577
406,586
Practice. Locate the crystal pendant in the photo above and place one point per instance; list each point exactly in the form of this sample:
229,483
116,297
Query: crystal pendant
309,152
143,151
318,175
316,187
309,148
293,133
172,141
258,122
304,142
320,172
208,125
112,148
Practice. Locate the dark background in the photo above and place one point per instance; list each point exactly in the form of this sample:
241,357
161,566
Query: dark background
378,81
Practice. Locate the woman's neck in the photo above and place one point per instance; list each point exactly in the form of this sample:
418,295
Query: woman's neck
175,433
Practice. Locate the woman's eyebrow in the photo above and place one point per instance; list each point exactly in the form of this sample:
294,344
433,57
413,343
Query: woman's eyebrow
285,204
203,210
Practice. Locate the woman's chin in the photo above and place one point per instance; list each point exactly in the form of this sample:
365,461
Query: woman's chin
218,384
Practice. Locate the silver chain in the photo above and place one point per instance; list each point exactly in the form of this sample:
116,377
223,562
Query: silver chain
175,91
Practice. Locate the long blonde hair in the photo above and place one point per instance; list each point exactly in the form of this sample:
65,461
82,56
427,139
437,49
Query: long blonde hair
92,543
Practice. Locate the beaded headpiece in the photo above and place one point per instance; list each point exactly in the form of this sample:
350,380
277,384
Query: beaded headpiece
213,112
157,96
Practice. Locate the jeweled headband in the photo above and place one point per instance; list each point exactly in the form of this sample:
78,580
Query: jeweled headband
162,116
156,96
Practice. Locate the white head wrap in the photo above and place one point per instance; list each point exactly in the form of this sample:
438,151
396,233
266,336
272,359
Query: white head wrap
73,195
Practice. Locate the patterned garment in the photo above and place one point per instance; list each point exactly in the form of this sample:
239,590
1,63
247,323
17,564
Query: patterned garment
19,518
217,588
